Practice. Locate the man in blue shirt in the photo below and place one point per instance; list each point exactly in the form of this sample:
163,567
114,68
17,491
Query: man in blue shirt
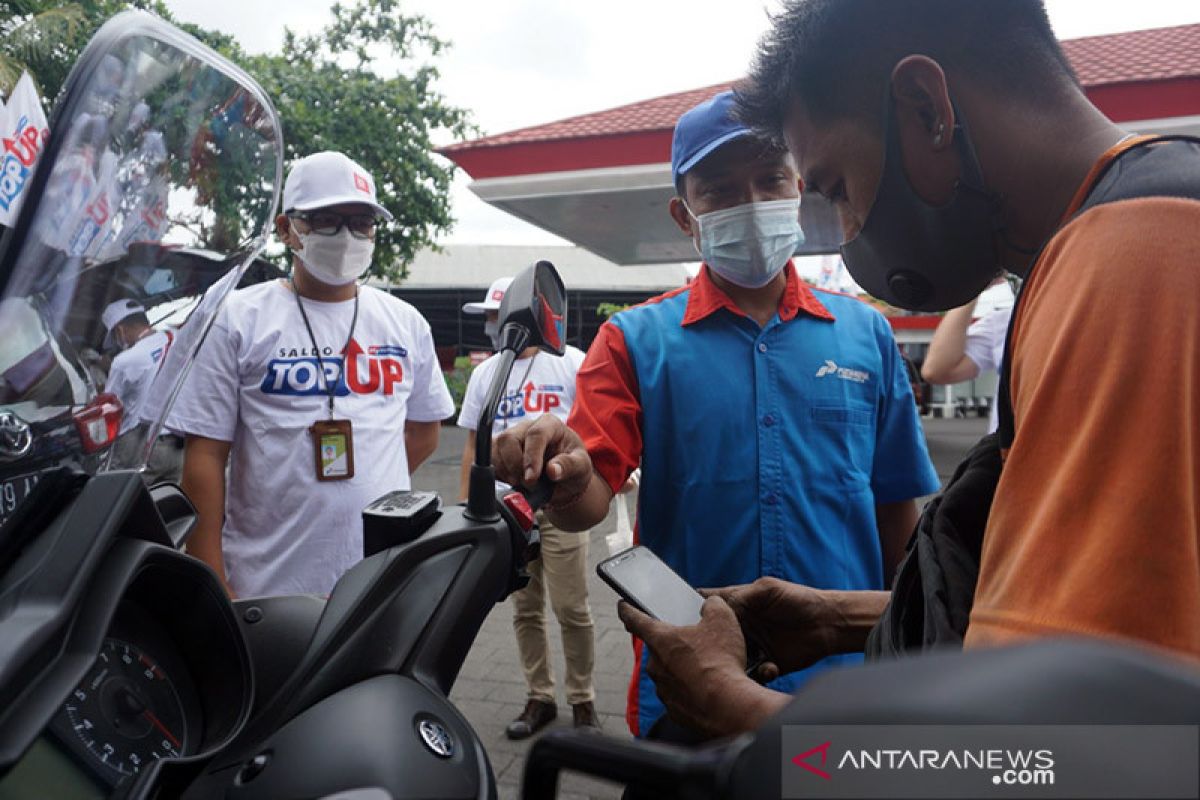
775,425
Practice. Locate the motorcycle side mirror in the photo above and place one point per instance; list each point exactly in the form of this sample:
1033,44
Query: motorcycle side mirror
533,313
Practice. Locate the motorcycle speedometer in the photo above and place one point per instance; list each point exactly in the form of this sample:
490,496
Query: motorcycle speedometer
126,712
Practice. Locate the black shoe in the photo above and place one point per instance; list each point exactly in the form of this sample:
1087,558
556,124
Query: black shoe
585,716
537,715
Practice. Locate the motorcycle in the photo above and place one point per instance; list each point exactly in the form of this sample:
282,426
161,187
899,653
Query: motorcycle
126,671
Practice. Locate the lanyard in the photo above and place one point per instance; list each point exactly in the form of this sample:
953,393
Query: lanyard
329,390
524,378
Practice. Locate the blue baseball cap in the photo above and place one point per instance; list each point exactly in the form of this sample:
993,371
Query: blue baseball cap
702,130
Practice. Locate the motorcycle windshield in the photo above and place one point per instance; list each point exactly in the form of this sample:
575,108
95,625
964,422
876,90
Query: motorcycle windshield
152,191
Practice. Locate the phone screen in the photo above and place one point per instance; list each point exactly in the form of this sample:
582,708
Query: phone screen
647,582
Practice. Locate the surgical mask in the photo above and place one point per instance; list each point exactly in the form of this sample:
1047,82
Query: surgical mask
748,245
922,257
492,328
335,260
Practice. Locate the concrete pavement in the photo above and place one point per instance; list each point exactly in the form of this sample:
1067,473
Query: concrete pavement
491,688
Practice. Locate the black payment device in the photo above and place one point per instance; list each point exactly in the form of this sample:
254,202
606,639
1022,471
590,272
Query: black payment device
644,580
398,518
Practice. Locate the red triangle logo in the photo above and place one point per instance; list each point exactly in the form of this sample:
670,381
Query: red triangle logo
802,760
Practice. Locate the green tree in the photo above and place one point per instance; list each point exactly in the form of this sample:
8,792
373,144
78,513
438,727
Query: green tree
38,37
332,94
607,310
330,88
46,36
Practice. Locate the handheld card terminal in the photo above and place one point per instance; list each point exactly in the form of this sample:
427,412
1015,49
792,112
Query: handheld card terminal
398,518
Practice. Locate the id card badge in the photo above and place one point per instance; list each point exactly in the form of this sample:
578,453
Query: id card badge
333,447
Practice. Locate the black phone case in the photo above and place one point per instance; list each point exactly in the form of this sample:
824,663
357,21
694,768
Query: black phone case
616,586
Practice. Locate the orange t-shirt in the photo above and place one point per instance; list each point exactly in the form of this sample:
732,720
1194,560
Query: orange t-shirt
1095,526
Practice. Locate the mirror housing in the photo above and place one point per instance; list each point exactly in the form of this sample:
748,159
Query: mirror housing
533,312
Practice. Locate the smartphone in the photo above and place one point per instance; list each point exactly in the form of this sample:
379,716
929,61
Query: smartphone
651,586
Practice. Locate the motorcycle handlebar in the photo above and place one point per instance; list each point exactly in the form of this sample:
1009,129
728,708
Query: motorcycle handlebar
660,768
540,494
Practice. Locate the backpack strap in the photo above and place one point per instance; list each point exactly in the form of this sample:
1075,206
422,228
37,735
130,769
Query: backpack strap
1156,172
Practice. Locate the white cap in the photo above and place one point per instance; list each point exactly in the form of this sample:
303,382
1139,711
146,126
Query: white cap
329,179
491,300
115,313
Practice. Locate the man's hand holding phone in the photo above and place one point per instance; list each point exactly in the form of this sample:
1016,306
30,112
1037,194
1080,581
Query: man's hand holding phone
700,662
797,625
787,619
699,670
699,659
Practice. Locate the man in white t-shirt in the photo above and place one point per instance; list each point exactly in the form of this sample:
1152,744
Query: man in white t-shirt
142,352
321,395
539,384
962,349
132,372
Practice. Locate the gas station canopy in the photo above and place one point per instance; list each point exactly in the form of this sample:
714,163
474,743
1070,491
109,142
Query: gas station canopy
602,180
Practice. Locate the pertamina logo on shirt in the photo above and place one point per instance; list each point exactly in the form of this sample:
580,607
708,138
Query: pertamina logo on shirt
378,368
853,375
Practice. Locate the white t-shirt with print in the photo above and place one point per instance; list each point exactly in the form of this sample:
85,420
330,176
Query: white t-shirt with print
985,346
133,371
256,384
543,384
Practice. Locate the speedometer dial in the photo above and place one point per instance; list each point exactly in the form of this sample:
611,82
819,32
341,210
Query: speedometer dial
127,711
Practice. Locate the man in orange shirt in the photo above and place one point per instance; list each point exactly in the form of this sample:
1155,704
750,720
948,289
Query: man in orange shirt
1095,524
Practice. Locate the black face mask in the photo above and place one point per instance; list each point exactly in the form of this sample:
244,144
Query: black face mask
921,257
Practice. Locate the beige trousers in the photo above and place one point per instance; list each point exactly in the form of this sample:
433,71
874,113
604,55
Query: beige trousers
561,572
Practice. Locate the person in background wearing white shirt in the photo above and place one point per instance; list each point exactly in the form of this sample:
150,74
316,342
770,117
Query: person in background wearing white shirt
321,394
133,370
962,350
539,384
142,351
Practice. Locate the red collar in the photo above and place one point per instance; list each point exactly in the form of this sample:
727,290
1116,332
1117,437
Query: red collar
706,298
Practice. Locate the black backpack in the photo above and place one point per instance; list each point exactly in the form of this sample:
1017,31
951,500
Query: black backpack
935,583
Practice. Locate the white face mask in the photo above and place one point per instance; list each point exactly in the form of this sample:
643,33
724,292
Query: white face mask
492,328
335,260
749,244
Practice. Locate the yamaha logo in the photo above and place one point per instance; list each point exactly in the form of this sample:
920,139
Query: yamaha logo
436,737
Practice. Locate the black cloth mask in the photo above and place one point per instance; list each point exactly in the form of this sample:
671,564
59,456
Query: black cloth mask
922,257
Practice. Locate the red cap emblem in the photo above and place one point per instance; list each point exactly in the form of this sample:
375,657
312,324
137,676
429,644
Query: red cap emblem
498,294
361,184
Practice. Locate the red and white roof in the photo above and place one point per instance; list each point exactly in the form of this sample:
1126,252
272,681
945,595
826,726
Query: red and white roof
602,180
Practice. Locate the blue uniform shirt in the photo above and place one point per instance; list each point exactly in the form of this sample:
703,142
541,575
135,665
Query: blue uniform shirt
764,450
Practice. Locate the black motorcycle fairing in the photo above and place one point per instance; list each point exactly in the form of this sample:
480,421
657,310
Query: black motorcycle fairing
177,512
50,634
101,573
277,631
1050,682
412,610
369,735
